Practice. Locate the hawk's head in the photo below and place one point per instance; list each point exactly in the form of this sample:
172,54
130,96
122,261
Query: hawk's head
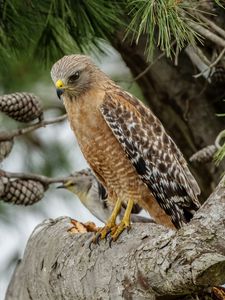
73,75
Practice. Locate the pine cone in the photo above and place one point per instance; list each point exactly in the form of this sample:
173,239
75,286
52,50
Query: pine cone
22,107
5,149
204,155
218,76
21,192
3,182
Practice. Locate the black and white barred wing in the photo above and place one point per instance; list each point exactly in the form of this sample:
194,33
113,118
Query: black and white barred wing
154,155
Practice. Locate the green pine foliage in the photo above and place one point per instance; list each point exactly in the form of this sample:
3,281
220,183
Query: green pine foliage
47,29
52,28
162,21
220,154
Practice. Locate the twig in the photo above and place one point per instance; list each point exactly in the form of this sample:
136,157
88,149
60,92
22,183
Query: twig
202,56
147,68
176,56
212,25
10,135
212,64
218,58
44,179
219,138
154,61
208,34
195,58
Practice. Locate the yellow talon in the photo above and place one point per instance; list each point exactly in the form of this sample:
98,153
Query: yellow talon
111,224
125,223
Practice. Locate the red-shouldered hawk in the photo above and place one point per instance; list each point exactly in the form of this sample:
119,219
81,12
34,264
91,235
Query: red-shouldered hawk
126,146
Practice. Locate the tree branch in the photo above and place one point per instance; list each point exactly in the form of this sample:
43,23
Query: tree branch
44,179
212,25
149,261
213,64
197,60
208,34
4,136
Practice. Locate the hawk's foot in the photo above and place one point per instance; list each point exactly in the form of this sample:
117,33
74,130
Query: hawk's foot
124,224
103,232
110,225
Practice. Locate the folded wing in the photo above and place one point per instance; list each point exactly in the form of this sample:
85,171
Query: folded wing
156,158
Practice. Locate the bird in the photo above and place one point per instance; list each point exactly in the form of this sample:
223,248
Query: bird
93,196
126,146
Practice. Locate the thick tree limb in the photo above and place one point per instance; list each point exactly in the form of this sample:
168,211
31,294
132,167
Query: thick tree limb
148,262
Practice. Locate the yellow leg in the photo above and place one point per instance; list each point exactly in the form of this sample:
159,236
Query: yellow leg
111,222
116,210
125,223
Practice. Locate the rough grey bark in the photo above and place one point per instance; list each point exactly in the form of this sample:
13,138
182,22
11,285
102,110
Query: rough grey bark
149,262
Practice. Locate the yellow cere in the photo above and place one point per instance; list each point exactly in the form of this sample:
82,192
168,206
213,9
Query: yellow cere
59,84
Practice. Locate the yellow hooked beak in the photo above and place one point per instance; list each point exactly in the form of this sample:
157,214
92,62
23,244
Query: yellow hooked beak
60,87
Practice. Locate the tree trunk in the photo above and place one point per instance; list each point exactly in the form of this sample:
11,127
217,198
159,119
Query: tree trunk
185,105
151,262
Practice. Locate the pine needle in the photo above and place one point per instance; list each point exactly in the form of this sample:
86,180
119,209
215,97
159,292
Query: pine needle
163,21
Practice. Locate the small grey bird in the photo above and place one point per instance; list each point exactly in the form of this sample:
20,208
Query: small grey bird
93,196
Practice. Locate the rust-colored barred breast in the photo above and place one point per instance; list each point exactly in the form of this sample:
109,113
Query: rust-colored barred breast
106,156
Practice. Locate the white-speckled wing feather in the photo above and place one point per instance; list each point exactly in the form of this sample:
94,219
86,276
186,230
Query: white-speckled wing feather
156,158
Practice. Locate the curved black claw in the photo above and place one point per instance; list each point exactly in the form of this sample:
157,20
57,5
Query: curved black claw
97,238
90,244
110,242
128,229
107,234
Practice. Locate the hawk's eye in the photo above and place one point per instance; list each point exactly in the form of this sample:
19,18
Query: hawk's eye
74,77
